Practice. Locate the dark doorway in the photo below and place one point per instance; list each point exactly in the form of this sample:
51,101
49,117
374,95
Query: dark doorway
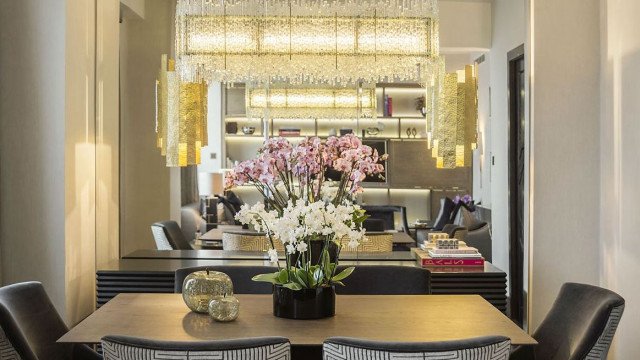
517,163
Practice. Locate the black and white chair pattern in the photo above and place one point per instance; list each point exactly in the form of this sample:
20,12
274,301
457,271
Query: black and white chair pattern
580,325
484,348
7,351
169,236
129,348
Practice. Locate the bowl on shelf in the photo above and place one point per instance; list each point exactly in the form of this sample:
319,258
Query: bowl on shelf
248,130
373,130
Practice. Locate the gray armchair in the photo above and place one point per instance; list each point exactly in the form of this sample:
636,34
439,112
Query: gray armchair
191,220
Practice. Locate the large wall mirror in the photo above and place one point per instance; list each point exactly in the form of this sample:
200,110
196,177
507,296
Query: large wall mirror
486,81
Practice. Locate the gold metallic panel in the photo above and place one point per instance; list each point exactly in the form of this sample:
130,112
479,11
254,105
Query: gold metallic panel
181,117
453,127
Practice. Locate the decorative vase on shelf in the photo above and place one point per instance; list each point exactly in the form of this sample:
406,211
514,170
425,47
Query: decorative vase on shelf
200,287
308,214
304,304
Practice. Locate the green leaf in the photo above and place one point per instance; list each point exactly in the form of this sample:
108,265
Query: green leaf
270,278
282,276
302,278
338,282
292,286
343,274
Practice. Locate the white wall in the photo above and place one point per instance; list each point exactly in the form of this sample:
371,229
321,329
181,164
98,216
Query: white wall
620,167
145,180
565,148
465,25
508,32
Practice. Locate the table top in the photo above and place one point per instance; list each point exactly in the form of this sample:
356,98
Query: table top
421,318
216,235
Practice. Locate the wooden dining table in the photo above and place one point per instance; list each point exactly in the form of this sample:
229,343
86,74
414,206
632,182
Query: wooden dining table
404,318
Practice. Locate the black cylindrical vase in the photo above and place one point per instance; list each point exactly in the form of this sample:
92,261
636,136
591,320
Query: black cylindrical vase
315,248
304,304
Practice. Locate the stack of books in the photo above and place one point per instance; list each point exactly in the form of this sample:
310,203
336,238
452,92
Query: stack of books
463,256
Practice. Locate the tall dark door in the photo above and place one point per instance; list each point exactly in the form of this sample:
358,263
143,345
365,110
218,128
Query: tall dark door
517,165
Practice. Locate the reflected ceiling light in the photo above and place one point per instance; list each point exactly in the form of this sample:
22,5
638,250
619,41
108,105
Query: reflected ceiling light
453,127
306,41
291,102
181,117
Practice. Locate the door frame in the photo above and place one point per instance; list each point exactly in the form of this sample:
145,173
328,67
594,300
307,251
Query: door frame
517,299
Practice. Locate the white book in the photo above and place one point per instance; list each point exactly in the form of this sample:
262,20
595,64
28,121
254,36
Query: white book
448,256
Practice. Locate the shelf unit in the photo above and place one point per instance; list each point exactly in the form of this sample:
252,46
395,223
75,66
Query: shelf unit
399,126
412,176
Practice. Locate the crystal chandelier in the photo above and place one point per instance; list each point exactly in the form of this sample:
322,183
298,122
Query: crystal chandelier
336,42
453,127
311,102
181,117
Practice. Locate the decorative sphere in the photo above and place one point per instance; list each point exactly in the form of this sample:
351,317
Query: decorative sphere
224,308
201,286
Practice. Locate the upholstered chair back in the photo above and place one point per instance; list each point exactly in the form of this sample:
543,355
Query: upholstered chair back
486,348
129,348
30,326
172,235
580,324
385,280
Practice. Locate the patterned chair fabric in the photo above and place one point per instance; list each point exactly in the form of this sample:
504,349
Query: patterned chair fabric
372,243
579,326
162,243
128,348
248,242
7,351
485,348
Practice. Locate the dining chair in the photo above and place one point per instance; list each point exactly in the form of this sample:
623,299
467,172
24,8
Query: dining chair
30,326
372,243
580,325
240,276
386,213
242,241
385,280
264,348
486,348
168,236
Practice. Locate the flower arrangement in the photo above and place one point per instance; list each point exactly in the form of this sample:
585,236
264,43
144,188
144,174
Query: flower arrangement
303,207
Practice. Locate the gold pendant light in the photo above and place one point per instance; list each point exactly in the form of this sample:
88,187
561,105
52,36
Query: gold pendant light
453,128
181,117
311,102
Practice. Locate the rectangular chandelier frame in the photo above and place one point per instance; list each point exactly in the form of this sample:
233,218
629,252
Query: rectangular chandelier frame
335,42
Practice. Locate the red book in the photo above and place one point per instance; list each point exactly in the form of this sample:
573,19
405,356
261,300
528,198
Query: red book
423,258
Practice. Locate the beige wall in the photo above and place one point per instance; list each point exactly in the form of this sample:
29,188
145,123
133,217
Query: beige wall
32,144
107,131
620,167
565,148
48,154
145,180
